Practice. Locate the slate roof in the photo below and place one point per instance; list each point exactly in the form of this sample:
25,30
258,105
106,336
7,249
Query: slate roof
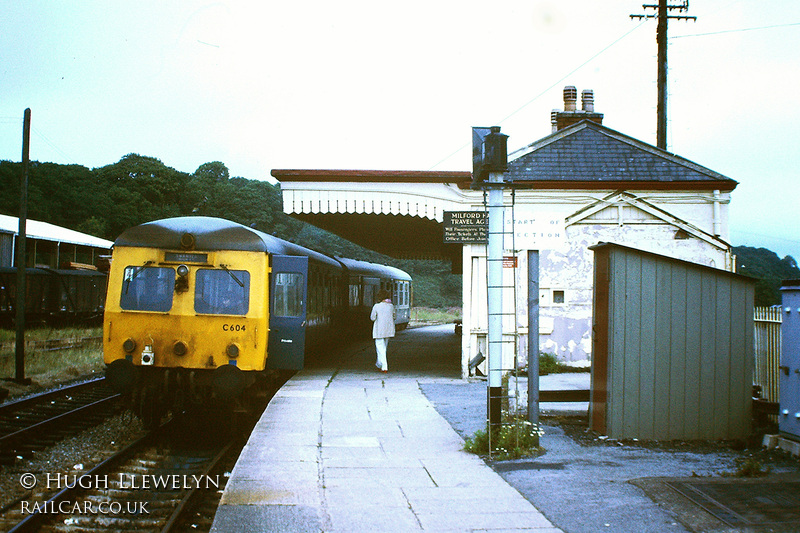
589,154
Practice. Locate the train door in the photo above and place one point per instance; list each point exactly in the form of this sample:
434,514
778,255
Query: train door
287,312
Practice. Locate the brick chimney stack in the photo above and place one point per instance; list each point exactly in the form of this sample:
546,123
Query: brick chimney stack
571,115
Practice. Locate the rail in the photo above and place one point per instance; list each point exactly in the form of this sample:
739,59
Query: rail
176,474
36,419
49,345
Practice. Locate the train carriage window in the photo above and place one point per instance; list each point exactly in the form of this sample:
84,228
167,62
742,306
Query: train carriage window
147,289
222,292
355,294
369,295
288,294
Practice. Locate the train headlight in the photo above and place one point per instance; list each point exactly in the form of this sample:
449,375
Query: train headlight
148,356
232,351
187,241
129,345
182,283
179,348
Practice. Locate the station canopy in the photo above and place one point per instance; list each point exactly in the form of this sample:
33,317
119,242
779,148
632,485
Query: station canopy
396,213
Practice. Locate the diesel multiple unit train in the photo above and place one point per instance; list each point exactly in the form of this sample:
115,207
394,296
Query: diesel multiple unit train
202,309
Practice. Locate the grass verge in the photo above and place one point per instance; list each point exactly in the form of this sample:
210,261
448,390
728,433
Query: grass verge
430,315
51,356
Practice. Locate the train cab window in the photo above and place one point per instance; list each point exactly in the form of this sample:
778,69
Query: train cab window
288,294
222,292
147,289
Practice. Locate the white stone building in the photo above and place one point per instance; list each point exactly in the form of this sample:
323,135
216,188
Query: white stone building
602,185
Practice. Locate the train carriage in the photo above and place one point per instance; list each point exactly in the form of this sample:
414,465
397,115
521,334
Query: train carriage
200,309
54,297
364,280
196,304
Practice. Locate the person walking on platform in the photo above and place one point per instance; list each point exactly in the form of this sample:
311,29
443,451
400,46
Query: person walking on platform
382,316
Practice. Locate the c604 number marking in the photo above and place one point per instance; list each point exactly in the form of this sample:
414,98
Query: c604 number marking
233,327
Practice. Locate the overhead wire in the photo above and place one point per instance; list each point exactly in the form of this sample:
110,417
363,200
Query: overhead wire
545,91
735,31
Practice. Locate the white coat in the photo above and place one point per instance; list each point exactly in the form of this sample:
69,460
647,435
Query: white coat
382,317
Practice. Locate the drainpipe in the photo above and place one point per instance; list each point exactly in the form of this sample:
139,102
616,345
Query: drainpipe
717,221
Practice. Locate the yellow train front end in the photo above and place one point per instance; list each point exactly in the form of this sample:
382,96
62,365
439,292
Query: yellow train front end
185,326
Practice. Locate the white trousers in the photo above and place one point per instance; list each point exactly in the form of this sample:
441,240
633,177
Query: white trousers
380,347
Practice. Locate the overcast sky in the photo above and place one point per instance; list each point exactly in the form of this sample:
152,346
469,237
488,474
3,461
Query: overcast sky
386,85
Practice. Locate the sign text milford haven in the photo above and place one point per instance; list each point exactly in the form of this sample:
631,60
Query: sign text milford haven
466,227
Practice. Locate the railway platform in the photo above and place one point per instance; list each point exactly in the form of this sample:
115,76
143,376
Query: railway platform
344,447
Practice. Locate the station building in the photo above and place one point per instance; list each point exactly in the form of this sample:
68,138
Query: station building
595,184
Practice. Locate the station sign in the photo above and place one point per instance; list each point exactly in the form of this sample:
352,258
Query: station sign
533,229
466,227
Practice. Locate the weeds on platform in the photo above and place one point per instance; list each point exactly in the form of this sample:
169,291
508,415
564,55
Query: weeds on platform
512,440
750,467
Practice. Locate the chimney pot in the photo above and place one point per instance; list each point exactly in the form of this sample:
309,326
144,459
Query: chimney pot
587,100
570,98
554,120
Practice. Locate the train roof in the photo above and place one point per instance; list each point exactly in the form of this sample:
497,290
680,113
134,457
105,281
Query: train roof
212,234
372,269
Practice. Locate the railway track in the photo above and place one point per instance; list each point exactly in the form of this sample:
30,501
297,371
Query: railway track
43,419
165,481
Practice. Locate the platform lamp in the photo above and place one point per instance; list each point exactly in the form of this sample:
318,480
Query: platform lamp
490,161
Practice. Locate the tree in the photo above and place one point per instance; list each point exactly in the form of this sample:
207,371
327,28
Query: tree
140,189
769,270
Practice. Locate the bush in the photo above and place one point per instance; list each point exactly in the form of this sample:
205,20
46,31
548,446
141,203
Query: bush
751,467
513,440
548,364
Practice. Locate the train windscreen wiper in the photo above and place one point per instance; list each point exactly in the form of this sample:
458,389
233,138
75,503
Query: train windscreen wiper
231,274
135,274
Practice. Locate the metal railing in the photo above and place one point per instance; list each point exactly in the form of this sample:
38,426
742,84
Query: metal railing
767,351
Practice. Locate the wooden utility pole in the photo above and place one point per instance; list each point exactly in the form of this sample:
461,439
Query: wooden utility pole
662,14
21,252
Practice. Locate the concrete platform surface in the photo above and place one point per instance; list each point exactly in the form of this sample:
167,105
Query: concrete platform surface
343,447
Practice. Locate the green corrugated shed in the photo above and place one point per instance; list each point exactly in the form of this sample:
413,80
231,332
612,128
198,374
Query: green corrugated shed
672,348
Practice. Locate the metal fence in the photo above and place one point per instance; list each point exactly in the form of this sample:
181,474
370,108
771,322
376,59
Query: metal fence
767,351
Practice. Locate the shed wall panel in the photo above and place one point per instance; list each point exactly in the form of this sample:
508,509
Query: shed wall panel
662,344
693,334
617,343
647,345
723,359
632,309
678,356
708,327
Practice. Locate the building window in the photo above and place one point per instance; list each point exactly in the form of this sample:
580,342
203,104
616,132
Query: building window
558,297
